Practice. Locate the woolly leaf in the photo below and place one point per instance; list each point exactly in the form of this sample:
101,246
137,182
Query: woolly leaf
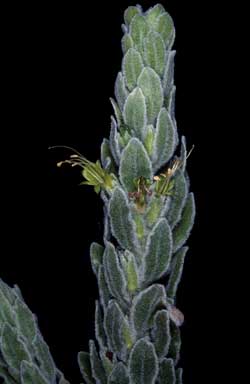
17,292
175,344
168,77
150,84
139,223
85,367
178,199
114,142
153,13
170,103
6,311
98,371
154,209
96,254
183,156
7,292
127,43
167,372
43,356
143,364
103,288
185,225
164,144
13,348
138,30
107,229
154,52
99,330
132,66
106,362
135,163
115,324
134,111
119,375
132,273
121,93
106,157
25,319
161,333
149,138
159,251
144,305
114,274
117,112
4,374
176,272
130,13
165,26
179,374
30,374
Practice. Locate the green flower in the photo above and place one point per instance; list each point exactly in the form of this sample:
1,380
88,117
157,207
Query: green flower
93,173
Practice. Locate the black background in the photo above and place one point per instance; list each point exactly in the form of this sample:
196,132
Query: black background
60,67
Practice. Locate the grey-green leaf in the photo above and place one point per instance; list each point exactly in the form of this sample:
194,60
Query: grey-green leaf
30,374
103,288
170,103
127,43
121,92
106,362
176,272
175,344
161,333
43,356
129,13
114,324
85,367
25,319
7,378
114,274
135,163
144,306
98,371
132,66
150,84
143,364
119,375
168,77
99,329
134,112
155,52
154,209
105,154
117,112
138,30
6,310
132,273
159,252
7,292
178,199
165,26
122,226
114,141
13,348
183,155
96,254
165,142
167,372
153,13
185,225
